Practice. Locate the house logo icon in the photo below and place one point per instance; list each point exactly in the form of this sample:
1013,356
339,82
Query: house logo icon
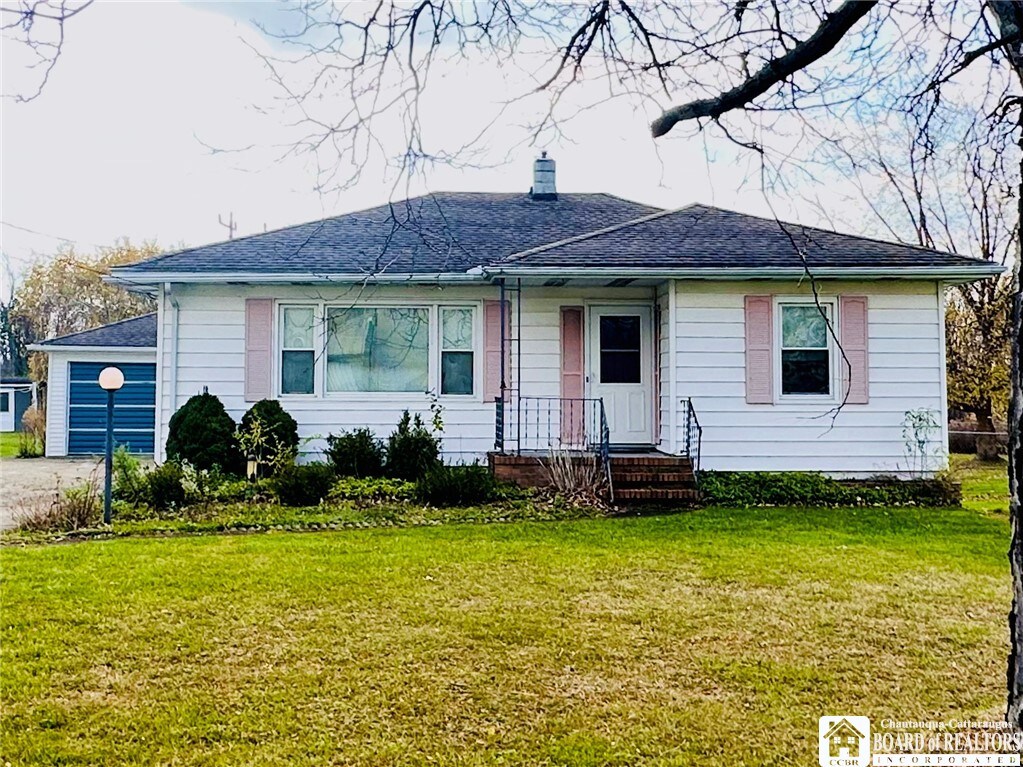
844,741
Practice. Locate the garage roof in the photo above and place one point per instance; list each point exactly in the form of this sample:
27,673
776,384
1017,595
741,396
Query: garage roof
136,333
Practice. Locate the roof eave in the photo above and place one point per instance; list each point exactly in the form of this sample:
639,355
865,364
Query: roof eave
45,347
951,274
128,277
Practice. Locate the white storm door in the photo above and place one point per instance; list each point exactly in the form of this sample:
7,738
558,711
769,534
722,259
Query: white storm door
620,370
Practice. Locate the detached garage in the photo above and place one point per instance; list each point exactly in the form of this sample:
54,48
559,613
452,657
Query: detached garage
76,405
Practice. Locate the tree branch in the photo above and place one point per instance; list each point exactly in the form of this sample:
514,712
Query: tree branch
834,27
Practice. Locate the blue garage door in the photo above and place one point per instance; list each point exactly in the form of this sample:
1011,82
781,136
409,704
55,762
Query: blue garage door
134,408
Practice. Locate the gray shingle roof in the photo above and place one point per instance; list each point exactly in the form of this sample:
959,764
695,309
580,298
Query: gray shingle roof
704,237
442,232
138,332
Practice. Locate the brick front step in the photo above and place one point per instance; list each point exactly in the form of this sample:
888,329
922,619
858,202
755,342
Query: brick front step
676,494
650,477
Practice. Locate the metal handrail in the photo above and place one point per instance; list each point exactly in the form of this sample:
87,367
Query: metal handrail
541,424
693,436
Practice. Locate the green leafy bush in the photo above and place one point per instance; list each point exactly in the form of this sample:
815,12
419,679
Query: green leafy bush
356,453
371,490
270,434
130,479
457,485
304,484
796,488
412,449
233,490
202,433
166,486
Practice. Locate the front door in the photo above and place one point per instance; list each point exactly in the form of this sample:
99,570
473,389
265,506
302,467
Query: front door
621,370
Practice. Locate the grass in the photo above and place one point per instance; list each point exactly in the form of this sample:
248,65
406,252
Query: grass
9,444
985,483
714,636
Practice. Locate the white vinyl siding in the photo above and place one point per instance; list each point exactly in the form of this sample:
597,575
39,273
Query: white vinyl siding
210,353
905,372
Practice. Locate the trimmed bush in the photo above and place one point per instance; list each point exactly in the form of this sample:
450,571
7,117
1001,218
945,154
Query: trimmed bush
412,449
166,487
457,485
304,485
269,433
797,488
356,453
202,433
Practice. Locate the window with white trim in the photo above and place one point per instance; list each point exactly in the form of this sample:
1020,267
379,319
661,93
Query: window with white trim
457,355
298,350
805,349
5,402
378,349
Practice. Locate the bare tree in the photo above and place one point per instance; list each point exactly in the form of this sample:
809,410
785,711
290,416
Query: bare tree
767,74
953,192
37,26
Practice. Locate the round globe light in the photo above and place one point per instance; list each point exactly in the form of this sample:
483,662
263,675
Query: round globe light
111,379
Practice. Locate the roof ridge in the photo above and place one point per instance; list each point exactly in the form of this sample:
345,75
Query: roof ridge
98,327
589,235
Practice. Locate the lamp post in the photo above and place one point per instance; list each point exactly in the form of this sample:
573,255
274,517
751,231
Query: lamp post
110,380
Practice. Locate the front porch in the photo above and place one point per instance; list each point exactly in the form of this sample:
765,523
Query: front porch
586,372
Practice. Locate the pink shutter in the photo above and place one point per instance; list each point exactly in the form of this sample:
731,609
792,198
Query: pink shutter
492,348
258,348
759,350
852,318
573,415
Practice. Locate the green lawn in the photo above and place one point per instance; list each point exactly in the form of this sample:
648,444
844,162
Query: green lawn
8,444
714,636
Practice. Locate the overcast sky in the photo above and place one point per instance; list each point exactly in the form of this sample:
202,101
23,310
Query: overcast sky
118,143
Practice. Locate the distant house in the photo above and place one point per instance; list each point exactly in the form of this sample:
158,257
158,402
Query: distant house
16,396
579,321
843,739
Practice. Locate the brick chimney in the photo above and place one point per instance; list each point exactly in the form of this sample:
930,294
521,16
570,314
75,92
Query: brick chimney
543,179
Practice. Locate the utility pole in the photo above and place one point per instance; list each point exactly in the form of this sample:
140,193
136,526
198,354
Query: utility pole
230,225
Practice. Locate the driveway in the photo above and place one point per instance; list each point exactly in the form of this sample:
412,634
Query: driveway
25,482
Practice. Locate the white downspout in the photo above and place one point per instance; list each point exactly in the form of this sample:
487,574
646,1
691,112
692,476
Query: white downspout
943,373
673,366
172,381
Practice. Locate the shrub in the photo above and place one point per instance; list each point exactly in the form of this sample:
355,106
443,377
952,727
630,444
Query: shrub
356,453
166,488
202,433
32,439
304,485
456,485
580,480
797,488
412,449
130,480
270,434
232,490
372,490
75,508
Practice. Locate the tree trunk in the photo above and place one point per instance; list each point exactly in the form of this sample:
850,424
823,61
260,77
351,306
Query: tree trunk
987,443
1014,712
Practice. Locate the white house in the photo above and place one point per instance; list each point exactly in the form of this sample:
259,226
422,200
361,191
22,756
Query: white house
573,320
